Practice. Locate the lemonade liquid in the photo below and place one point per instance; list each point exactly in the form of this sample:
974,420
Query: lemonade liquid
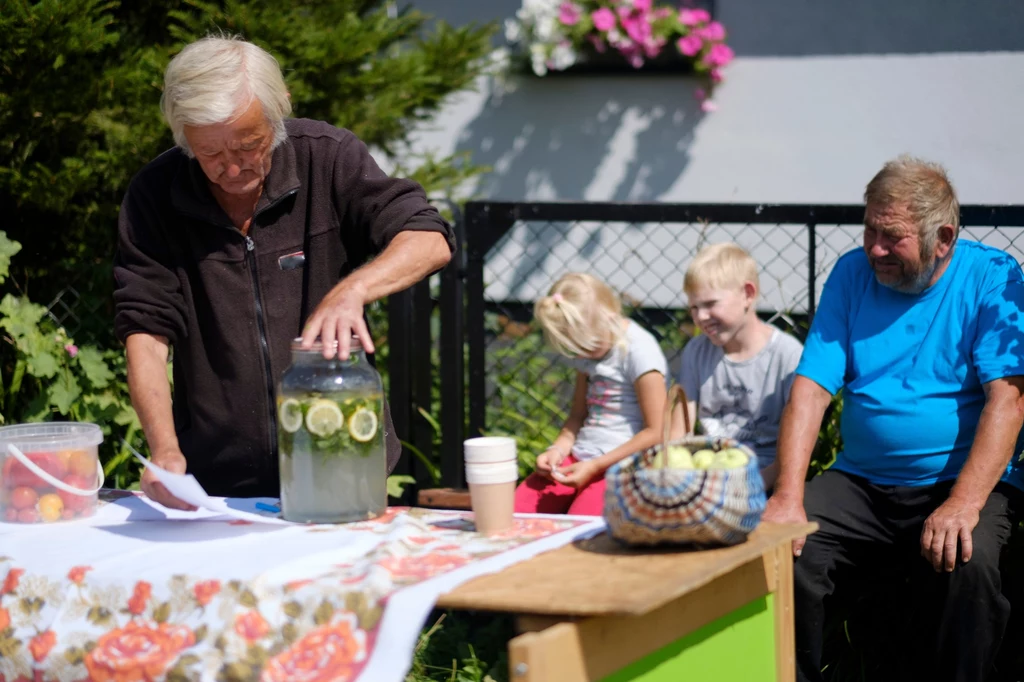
331,453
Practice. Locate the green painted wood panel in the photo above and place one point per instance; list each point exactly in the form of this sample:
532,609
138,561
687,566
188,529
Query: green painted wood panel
739,647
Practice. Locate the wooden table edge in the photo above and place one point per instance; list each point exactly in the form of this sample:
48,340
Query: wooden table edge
456,599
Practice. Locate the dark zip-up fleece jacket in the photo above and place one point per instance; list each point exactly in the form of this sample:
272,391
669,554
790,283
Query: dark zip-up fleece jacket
231,304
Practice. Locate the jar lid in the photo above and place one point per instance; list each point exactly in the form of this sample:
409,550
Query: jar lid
318,346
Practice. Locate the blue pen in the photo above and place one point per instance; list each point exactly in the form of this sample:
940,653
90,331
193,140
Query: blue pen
263,506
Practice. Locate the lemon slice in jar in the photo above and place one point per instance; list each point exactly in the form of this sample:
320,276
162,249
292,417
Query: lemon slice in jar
324,417
362,425
289,414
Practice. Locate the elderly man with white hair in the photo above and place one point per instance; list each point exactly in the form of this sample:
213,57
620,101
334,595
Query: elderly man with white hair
255,229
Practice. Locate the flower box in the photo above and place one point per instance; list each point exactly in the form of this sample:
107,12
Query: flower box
618,36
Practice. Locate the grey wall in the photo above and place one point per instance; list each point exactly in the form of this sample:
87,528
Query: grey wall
821,95
790,129
825,27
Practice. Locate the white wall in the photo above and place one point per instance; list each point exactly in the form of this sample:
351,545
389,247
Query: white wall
788,129
822,93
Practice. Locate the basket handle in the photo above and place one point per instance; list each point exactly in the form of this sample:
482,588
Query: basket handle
676,393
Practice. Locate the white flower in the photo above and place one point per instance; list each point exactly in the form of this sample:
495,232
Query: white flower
542,6
547,29
563,56
540,67
513,31
499,61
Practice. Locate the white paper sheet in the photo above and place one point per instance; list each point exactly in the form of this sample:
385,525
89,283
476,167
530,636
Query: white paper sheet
187,489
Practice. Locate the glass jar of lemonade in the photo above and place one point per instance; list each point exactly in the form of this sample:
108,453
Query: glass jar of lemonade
330,435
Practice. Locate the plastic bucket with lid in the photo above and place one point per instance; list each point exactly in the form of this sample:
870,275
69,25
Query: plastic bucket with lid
49,472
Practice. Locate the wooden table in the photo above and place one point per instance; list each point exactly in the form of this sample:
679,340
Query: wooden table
596,611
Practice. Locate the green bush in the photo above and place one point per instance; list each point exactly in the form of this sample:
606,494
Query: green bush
51,377
80,83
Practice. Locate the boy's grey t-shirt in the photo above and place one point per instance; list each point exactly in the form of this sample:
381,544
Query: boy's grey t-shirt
613,412
741,400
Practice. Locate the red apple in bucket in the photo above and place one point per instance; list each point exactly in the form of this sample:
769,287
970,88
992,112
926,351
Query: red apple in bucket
16,474
77,503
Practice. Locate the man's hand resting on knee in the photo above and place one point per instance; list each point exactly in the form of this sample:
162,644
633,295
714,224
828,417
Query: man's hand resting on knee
953,520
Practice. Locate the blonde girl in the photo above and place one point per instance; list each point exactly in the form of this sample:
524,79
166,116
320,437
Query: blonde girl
618,401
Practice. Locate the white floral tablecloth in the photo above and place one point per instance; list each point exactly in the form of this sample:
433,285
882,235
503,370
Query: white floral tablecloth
142,593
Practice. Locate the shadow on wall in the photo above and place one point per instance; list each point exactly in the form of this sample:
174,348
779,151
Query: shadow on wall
584,138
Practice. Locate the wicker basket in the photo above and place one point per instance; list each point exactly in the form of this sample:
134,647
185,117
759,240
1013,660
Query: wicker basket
648,506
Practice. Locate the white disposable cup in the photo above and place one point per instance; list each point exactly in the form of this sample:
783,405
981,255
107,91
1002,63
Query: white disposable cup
492,472
499,472
489,450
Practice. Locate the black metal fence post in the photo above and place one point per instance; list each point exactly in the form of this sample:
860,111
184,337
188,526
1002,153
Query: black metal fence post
422,370
476,221
452,356
400,379
812,269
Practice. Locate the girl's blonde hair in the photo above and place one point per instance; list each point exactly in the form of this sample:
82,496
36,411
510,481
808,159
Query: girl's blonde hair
721,266
580,315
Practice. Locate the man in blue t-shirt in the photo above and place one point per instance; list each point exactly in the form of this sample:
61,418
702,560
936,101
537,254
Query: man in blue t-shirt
924,334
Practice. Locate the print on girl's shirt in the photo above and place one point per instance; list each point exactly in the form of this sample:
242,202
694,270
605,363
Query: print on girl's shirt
603,397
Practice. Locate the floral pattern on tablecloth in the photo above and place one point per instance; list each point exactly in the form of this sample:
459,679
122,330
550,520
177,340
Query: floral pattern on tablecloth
321,627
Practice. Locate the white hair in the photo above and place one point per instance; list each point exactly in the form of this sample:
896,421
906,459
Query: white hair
215,79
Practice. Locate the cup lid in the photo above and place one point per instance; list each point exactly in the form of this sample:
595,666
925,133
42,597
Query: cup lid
489,449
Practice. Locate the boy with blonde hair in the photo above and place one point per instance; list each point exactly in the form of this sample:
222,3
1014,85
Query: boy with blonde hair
737,373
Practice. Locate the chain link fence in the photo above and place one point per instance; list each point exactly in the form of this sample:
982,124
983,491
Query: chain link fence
515,252
68,310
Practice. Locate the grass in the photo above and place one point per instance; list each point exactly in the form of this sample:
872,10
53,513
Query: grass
462,646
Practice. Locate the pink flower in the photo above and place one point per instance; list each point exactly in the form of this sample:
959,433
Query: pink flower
713,31
700,94
687,17
72,349
604,19
716,75
599,45
662,12
637,27
569,14
707,106
720,55
652,47
642,5
701,15
690,45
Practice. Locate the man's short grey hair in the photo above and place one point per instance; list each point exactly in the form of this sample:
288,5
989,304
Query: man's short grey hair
215,79
923,188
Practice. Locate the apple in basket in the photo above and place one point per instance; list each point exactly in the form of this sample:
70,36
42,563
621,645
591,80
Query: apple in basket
673,457
730,458
703,459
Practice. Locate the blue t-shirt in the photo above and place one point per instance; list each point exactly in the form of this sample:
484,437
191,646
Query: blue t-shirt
912,367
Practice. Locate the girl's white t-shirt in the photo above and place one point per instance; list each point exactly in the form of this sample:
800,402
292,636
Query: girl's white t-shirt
613,411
